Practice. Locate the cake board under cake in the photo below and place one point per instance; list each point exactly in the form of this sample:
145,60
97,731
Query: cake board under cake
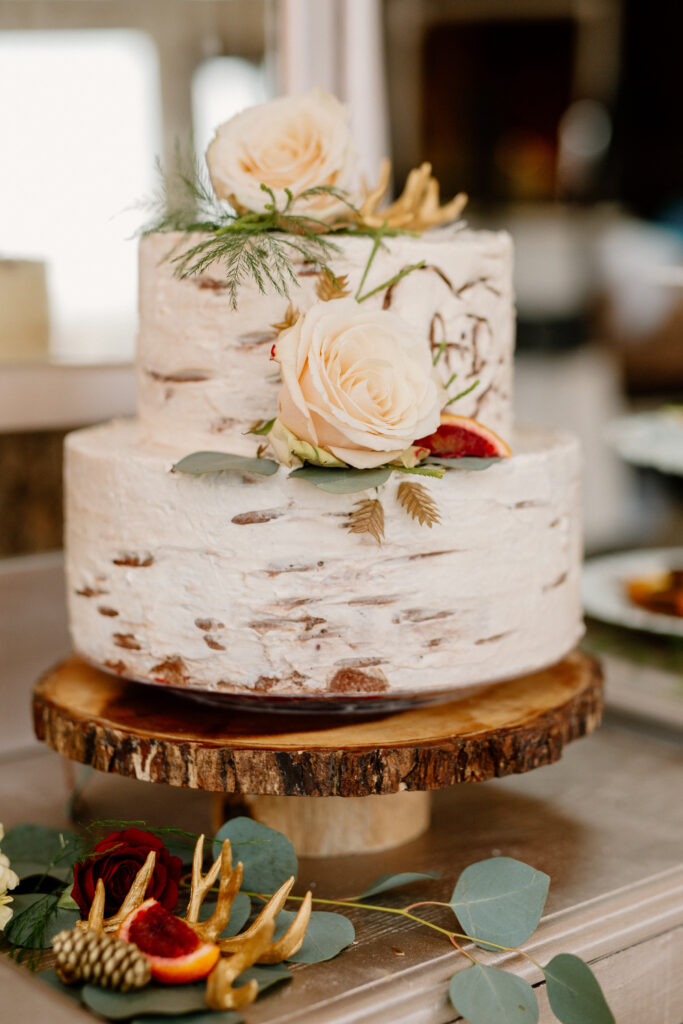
297,772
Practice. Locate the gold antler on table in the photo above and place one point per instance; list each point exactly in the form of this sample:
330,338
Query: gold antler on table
229,886
416,209
220,995
252,946
289,943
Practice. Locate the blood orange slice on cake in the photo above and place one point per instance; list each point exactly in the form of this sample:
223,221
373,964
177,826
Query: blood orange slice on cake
458,437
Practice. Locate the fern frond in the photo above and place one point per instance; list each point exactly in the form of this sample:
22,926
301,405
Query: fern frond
418,503
183,199
367,516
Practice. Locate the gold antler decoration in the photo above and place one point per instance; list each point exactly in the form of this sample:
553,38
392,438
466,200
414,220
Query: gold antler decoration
229,886
416,209
220,995
289,943
252,946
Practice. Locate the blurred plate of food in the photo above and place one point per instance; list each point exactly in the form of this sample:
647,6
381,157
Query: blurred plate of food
653,439
637,589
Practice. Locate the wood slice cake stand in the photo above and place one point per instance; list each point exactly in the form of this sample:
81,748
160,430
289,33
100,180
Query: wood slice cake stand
280,761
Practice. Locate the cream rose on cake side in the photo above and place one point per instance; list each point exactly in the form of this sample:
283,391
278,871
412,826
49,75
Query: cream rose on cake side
293,143
358,387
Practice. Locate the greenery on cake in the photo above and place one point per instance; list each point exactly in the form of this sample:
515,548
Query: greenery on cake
360,397
360,401
90,896
255,229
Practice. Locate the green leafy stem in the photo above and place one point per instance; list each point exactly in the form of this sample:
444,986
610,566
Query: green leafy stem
258,245
498,904
574,994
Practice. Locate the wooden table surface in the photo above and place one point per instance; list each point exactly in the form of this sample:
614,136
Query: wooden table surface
605,822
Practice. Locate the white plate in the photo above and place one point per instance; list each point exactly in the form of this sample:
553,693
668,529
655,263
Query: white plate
650,439
603,593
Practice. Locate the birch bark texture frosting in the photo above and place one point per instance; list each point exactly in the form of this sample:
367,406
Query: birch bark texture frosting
233,584
294,143
203,369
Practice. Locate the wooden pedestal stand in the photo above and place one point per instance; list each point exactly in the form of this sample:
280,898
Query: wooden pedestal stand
280,761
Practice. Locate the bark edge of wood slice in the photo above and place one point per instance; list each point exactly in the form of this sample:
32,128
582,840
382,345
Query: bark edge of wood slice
137,731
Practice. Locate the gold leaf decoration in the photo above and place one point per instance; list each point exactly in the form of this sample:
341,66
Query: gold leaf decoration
330,286
416,209
290,318
367,517
418,503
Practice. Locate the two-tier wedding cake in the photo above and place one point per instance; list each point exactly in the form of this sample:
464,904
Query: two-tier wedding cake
370,521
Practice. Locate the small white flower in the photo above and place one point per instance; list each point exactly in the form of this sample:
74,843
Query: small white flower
5,911
8,880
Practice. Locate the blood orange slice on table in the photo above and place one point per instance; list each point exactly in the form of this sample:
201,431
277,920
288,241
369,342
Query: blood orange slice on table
458,437
175,952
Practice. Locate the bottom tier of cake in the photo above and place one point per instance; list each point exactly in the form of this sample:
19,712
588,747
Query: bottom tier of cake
237,584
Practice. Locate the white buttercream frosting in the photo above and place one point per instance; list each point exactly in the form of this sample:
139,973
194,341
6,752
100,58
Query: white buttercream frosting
223,582
204,369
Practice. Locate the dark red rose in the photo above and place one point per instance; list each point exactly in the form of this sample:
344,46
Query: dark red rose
117,859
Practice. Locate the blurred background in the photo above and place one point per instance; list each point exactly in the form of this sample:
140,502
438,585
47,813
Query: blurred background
560,118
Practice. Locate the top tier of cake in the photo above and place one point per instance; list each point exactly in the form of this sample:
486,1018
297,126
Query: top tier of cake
204,375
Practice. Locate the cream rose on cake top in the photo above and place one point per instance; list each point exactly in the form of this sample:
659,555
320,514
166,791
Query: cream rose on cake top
357,386
293,143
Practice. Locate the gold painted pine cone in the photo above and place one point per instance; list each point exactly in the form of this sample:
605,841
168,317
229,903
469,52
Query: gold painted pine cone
104,960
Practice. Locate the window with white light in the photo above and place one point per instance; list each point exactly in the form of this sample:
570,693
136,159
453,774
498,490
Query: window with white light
81,125
222,87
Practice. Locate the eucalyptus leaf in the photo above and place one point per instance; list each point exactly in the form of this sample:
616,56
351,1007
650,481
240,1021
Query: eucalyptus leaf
385,883
268,856
573,991
500,900
326,935
162,1000
31,872
343,481
216,462
466,462
239,914
179,847
37,919
52,979
39,850
487,994
66,900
